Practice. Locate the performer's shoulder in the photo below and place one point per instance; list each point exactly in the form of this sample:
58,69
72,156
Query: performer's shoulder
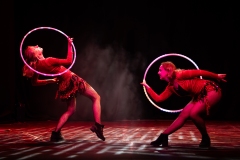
179,71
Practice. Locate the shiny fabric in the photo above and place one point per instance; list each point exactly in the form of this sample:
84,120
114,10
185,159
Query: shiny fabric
69,83
209,86
70,88
190,82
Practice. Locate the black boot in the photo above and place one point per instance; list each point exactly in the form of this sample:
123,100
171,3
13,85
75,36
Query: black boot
206,142
98,129
161,140
56,136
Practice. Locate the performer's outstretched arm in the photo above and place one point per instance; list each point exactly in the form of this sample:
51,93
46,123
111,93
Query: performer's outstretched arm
157,97
188,74
39,82
64,62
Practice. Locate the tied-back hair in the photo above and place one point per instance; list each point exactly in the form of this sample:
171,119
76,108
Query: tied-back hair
31,61
170,67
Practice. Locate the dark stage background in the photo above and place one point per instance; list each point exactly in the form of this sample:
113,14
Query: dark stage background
115,42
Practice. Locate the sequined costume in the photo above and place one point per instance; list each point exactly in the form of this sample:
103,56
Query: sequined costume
69,83
189,84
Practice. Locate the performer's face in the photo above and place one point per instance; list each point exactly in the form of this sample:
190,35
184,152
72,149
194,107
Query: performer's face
163,74
38,51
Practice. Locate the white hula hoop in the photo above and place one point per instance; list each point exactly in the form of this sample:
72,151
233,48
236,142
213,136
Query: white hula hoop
46,74
158,58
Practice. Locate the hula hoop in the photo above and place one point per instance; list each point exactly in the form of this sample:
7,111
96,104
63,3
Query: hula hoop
46,74
162,56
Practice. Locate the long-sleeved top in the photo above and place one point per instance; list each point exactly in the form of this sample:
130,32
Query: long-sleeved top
188,80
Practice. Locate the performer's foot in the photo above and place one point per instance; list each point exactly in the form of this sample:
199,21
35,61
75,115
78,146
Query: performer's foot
162,140
98,129
56,137
206,142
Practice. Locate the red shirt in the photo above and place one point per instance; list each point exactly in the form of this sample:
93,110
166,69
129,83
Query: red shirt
187,79
51,65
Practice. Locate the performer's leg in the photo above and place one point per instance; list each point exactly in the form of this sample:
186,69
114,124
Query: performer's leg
181,119
96,106
177,124
199,111
71,103
56,134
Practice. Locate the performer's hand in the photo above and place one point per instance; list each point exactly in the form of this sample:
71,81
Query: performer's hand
221,77
145,84
70,40
55,80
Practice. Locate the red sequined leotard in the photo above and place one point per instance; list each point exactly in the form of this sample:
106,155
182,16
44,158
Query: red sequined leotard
69,83
190,85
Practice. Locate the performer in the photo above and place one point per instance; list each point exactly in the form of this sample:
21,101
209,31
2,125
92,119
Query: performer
69,86
204,92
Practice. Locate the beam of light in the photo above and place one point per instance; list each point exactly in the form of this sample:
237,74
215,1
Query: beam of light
105,149
124,148
28,150
47,150
142,147
145,135
89,148
29,156
69,149
110,141
33,137
180,136
7,139
125,134
132,135
72,156
63,146
193,137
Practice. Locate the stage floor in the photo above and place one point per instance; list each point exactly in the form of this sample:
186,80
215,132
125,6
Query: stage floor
124,140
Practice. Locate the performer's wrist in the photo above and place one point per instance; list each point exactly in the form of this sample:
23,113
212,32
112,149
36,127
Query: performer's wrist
147,87
49,80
